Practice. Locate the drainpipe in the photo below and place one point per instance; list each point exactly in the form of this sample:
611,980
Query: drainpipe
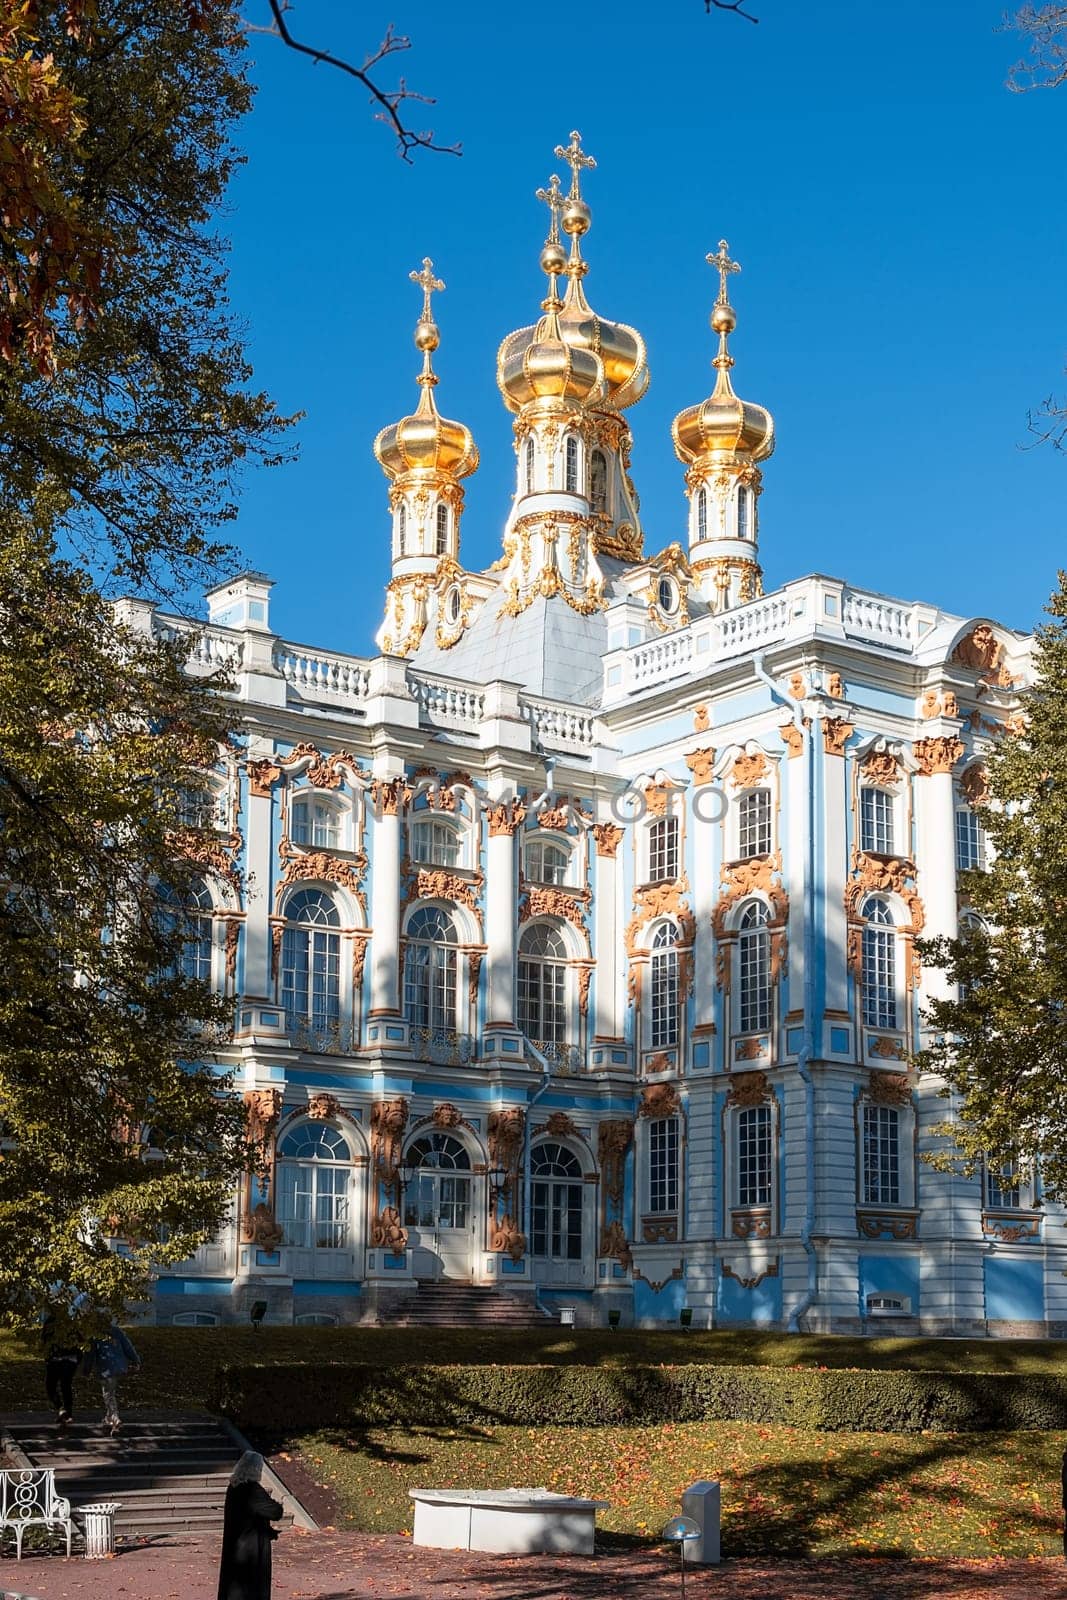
807,1049
527,1198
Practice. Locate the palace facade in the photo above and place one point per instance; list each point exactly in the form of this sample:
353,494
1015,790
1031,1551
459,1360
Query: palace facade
572,934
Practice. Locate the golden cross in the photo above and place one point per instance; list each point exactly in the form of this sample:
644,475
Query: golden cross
553,199
576,159
723,265
427,283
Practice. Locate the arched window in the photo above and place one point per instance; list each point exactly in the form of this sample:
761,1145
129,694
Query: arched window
754,969
879,966
702,514
663,850
754,824
441,547
435,841
742,513
570,465
876,821
430,969
439,1195
556,1202
402,529
529,466
311,961
194,921
663,987
598,481
546,861
314,1180
315,823
543,984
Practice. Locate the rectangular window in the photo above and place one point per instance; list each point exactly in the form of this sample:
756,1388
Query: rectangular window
543,1001
754,825
435,842
316,825
663,850
879,978
876,822
755,985
881,1156
754,1156
663,1165
970,840
1000,1193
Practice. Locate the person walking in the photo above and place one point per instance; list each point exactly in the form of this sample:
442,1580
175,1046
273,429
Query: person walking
1063,1497
247,1535
111,1358
62,1358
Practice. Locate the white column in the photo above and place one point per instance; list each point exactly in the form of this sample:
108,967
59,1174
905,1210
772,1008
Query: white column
608,1022
500,916
833,824
385,897
261,867
936,853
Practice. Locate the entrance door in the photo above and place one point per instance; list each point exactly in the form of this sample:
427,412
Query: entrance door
558,1217
439,1213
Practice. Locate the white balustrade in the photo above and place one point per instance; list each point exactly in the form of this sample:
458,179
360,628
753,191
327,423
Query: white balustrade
443,700
553,724
871,616
210,649
316,675
668,657
753,626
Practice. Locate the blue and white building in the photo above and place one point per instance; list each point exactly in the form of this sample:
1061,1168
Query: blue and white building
571,931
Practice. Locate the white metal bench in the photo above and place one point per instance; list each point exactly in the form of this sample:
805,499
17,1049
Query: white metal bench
28,1499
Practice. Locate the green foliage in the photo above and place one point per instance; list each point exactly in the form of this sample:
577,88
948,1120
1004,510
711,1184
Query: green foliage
109,1127
128,452
276,1399
1001,1046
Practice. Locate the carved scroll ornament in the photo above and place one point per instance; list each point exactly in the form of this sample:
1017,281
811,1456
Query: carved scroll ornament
659,1100
323,1107
748,1089
836,732
614,1139
748,770
506,818
388,1119
505,1132
937,755
701,764
608,837
890,1088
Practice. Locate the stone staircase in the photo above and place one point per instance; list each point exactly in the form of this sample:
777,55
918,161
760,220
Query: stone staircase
167,1470
445,1303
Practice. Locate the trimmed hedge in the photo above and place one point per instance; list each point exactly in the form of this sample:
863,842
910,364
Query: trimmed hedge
300,1397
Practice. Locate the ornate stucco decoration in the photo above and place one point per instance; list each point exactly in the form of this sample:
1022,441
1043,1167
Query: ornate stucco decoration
934,704
262,776
216,853
614,1244
474,970
759,876
982,652
883,875
387,1231
889,1088
834,687
887,1049
233,940
749,768
570,904
320,866
508,1238
753,1281
505,1135
881,1225
614,1139
748,1089
701,719
439,883
258,1223
659,1100
937,755
661,795
881,767
659,1230
974,785
836,732
388,1119
608,836
446,1116
323,1107
651,901
505,1132
701,764
798,686
792,737
505,817
388,795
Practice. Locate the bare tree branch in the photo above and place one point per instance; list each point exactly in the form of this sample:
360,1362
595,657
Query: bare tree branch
1044,27
1048,425
737,6
389,101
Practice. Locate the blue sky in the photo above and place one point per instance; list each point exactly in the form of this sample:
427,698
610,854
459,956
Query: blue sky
899,217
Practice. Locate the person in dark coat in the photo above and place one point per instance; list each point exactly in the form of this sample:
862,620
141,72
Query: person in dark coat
62,1358
247,1535
1063,1497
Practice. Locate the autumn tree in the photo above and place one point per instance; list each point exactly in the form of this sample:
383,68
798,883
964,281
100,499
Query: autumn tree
126,416
1001,1045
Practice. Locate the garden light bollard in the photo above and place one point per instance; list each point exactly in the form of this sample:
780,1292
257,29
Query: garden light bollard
702,1503
681,1531
100,1529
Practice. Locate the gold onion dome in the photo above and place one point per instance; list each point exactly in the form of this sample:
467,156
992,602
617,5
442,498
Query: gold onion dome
426,441
618,347
723,428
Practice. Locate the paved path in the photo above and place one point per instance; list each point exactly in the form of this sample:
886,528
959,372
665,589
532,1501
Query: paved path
337,1566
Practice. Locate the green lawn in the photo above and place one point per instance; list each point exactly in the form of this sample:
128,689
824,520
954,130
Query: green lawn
785,1491
179,1362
